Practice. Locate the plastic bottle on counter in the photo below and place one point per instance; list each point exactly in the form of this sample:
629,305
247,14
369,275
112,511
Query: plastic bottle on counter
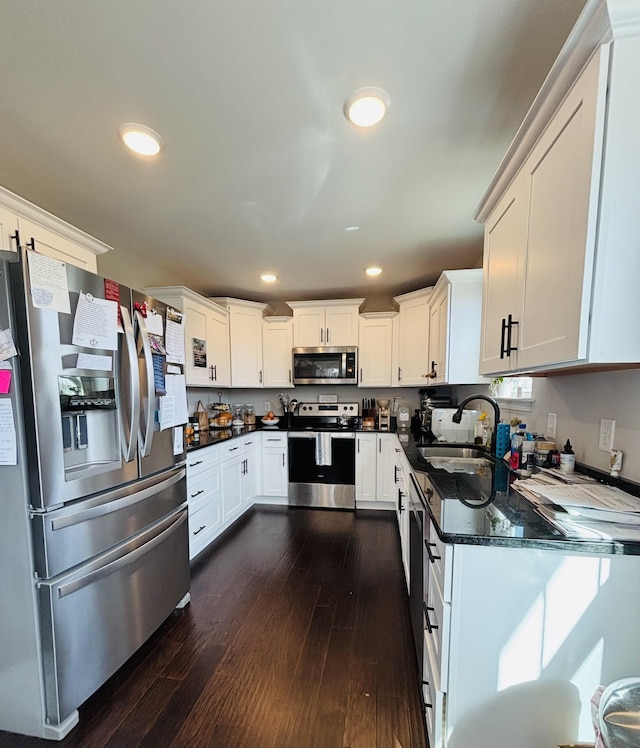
567,458
527,457
516,446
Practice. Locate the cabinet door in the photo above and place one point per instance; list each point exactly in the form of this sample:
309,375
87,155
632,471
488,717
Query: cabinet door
277,343
275,478
309,327
374,352
436,364
246,347
249,470
413,353
386,467
504,251
8,226
341,324
53,245
232,487
197,349
562,184
218,356
365,467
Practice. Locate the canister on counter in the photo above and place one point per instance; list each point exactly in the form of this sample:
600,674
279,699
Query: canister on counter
543,450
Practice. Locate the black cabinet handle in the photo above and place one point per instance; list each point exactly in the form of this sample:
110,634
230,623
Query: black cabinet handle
289,376
396,470
399,373
200,529
503,351
400,507
510,325
16,237
283,460
431,627
197,493
433,558
193,464
432,373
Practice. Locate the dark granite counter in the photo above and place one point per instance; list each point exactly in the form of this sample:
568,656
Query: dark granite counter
482,508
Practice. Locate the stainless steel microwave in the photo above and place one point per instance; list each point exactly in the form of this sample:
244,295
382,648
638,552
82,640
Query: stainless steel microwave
325,365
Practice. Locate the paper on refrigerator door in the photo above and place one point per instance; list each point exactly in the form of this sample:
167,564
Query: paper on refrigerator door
7,347
174,338
8,446
48,280
176,388
95,324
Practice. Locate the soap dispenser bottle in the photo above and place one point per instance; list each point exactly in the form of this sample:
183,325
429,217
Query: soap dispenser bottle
567,458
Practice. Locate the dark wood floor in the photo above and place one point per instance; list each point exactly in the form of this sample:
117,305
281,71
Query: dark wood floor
297,636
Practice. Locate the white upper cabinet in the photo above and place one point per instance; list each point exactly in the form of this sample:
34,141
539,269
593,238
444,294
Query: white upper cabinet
454,327
45,233
561,217
277,344
413,344
375,349
206,330
245,327
325,323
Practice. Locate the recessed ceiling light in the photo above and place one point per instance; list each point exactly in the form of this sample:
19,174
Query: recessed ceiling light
373,271
352,228
366,106
268,277
141,139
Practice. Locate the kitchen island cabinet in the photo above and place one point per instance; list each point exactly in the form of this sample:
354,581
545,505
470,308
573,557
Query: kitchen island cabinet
561,218
325,323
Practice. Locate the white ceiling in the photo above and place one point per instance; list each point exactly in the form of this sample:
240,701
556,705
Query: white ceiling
261,170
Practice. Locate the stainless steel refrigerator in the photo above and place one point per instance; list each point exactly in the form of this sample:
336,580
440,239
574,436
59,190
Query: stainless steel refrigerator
93,517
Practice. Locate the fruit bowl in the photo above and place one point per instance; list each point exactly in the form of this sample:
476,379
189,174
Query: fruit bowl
270,421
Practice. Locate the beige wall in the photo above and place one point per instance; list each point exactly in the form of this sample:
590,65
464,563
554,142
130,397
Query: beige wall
580,401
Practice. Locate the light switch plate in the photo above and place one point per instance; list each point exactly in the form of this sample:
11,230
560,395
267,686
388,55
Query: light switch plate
607,431
551,426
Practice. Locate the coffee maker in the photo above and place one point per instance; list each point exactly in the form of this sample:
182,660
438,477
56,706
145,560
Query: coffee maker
384,415
431,398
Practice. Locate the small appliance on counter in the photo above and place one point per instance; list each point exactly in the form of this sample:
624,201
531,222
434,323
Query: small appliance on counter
403,416
430,399
384,415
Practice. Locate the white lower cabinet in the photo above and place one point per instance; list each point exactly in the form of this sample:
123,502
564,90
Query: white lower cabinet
518,640
376,471
402,510
275,465
204,496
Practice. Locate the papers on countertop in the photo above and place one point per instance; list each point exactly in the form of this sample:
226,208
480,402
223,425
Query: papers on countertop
587,510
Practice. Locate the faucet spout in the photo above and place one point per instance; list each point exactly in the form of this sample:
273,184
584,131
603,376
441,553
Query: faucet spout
457,416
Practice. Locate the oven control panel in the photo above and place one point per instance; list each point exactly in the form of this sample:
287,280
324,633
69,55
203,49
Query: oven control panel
329,409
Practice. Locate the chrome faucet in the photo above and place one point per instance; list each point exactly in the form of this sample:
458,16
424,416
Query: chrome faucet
457,416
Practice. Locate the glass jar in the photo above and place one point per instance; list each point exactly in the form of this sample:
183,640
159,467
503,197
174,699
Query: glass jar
237,415
249,415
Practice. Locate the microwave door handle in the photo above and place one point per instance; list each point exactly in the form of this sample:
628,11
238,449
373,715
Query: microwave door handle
129,345
147,437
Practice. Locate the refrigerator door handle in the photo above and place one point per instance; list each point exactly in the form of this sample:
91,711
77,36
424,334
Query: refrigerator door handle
129,445
125,559
111,503
146,439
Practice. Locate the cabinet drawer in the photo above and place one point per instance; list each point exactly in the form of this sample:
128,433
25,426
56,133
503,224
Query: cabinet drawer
204,525
433,704
203,484
440,563
437,627
231,449
274,440
202,459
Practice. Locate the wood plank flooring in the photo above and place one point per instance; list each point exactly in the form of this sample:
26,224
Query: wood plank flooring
297,636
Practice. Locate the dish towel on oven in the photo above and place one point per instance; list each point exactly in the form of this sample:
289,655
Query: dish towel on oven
323,448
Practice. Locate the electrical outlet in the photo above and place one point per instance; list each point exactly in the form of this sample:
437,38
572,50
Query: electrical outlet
267,406
551,426
607,431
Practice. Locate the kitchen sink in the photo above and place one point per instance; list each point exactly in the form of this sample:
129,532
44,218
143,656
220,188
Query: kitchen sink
463,451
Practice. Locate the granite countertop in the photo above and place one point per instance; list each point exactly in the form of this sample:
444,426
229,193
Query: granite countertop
483,509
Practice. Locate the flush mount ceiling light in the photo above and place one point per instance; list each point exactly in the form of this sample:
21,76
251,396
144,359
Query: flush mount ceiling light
373,271
141,139
268,277
366,106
